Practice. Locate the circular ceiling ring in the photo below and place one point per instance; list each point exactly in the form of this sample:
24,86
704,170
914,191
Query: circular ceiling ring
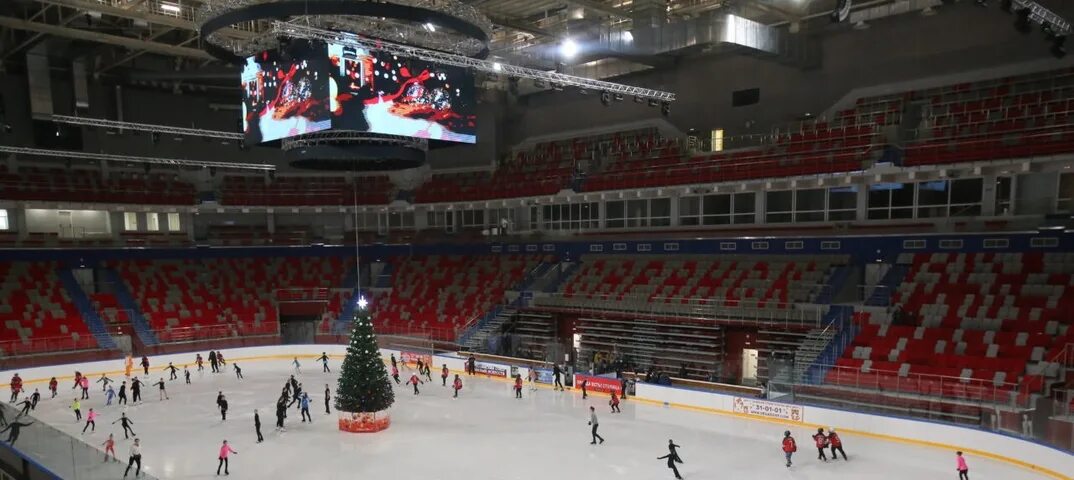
214,20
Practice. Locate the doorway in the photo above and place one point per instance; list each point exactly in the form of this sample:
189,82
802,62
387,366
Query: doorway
749,366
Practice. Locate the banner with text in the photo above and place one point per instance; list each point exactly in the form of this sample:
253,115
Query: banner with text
411,358
491,370
599,384
762,408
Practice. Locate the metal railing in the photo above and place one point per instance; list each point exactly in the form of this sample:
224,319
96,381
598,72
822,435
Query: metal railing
41,345
216,332
727,311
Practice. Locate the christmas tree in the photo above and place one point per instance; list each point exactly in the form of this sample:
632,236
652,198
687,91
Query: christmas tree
363,380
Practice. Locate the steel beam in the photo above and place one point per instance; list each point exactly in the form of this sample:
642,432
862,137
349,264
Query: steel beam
144,127
91,36
131,159
302,31
140,11
597,6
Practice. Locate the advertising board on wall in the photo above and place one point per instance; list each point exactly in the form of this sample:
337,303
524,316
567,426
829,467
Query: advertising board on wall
411,358
599,384
761,408
490,369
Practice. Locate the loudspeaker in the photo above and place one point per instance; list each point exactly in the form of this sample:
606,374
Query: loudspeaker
841,12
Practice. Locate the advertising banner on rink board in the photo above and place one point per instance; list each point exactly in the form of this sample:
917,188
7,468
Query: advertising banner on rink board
490,369
599,384
544,375
411,358
761,408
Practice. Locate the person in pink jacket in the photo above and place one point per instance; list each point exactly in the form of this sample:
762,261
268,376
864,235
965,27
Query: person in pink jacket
225,449
91,420
84,383
963,469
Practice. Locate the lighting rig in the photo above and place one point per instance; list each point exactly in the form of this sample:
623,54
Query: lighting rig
1028,12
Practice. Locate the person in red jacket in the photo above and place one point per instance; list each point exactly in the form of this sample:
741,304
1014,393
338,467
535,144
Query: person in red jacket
614,402
836,443
16,387
415,381
518,386
457,385
444,375
789,446
52,385
822,443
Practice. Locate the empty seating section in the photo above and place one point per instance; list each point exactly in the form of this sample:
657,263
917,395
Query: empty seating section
680,282
987,321
665,346
439,294
235,294
36,315
110,310
257,235
57,184
303,191
545,169
1009,117
816,149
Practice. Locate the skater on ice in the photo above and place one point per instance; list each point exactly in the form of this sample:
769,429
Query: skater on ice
200,362
122,394
171,369
395,373
614,403
789,446
836,444
414,380
14,428
225,449
85,388
145,366
136,390
456,385
327,392
324,363
673,458
186,374
297,366
104,381
125,422
238,371
593,422
444,375
305,406
822,443
16,387
109,395
533,375
76,405
556,373
961,467
52,384
34,398
91,421
135,457
163,392
26,405
518,386
221,403
213,365
585,395
110,447
257,427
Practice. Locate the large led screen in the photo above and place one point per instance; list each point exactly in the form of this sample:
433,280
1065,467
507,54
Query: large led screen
285,94
383,93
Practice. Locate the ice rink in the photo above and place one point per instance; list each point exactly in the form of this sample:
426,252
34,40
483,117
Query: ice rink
485,434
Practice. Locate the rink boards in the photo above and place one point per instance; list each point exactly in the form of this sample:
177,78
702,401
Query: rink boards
1042,459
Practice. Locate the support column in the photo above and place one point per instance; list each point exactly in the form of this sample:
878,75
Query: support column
988,196
862,213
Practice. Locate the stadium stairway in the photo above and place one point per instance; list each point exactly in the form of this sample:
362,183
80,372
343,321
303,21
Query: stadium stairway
564,275
836,281
824,346
881,294
85,307
478,341
496,312
126,300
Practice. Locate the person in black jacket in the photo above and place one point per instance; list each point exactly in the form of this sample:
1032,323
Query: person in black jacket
257,427
126,423
122,394
556,374
673,458
213,365
221,402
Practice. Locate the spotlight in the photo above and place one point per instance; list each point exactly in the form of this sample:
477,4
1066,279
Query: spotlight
653,102
1021,21
638,99
1059,49
1007,5
605,98
982,3
497,67
665,108
618,97
1049,32
583,91
557,87
568,49
538,83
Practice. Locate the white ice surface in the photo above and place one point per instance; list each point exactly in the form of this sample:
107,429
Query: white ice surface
485,434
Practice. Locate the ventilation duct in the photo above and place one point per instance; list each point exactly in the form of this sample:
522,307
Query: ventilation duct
81,82
898,7
37,72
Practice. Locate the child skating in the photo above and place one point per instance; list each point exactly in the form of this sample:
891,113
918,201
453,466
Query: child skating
91,421
444,375
789,446
163,391
324,363
533,375
173,371
126,423
225,449
518,386
104,381
836,444
52,385
297,366
614,403
961,467
76,405
456,385
822,443
305,407
395,373
414,380
238,371
186,374
109,395
110,447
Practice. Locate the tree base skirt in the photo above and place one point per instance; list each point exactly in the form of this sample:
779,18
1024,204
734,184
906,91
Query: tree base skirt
364,422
